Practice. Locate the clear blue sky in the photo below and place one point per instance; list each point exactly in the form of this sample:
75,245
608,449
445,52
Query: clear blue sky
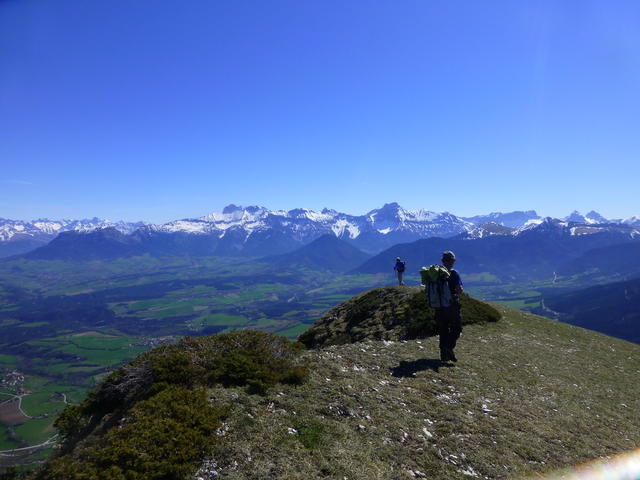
161,110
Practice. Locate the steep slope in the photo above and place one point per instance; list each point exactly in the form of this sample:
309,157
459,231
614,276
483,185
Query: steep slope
612,260
18,246
326,253
528,395
613,308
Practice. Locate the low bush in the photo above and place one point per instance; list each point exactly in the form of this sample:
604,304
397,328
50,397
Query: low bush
243,357
420,316
151,419
160,438
388,313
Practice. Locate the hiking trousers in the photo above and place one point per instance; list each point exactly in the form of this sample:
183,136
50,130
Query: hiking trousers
449,320
400,275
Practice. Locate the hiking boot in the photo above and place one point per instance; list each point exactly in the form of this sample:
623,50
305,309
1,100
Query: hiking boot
444,355
451,355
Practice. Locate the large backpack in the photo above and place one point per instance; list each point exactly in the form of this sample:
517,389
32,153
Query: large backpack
436,281
400,266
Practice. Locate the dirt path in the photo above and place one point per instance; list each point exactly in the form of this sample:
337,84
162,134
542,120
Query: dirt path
49,441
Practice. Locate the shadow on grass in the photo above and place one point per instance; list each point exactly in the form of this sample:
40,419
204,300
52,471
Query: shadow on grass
409,369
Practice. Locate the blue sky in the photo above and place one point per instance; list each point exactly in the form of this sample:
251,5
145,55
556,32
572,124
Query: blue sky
163,110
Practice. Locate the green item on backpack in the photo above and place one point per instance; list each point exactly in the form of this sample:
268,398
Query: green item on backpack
436,285
434,273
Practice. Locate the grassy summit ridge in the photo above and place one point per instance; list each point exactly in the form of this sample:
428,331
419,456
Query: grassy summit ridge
387,313
528,395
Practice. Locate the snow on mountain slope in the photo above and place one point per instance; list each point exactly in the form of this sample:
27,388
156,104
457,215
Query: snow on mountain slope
45,229
489,229
559,227
592,217
256,229
511,219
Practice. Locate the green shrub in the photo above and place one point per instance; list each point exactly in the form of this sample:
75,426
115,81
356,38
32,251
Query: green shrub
11,473
151,419
71,422
244,357
261,363
177,367
387,313
475,311
160,438
420,316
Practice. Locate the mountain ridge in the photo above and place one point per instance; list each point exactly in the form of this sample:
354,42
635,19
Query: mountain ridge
257,231
528,396
326,252
612,308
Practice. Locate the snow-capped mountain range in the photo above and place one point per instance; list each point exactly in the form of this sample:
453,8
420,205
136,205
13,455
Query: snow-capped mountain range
304,225
45,229
248,229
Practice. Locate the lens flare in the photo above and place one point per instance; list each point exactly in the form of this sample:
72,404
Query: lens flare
625,466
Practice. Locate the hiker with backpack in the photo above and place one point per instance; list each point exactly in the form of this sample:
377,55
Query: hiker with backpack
443,286
400,267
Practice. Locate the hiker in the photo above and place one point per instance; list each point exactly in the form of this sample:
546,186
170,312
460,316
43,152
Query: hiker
443,287
400,268
449,318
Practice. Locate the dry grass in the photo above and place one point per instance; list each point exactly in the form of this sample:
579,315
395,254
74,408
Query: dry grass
528,395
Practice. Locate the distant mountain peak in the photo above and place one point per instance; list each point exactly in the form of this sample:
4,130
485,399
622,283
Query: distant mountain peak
392,205
231,208
575,217
326,252
633,221
590,218
593,215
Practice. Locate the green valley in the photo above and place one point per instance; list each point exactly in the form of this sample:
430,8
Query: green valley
64,325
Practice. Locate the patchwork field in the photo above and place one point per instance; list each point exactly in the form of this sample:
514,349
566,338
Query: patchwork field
10,411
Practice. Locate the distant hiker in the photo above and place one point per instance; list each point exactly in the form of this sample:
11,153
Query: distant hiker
444,286
400,267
